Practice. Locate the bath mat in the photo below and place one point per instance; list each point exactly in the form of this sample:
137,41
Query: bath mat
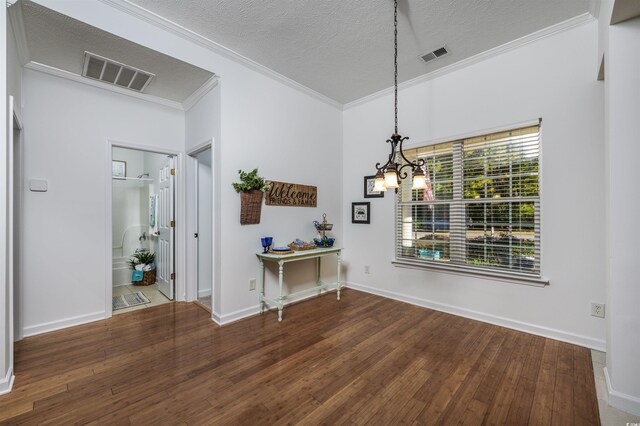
129,300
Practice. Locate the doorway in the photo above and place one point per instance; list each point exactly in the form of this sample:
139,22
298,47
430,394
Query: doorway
201,226
204,279
143,212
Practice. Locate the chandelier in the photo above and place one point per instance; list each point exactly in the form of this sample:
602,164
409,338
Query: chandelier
391,173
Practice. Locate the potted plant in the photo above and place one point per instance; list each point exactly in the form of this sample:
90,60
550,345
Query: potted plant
251,188
144,261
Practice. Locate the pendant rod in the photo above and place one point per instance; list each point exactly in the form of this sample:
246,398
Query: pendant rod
395,60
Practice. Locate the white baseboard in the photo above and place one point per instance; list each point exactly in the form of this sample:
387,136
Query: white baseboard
32,330
551,333
622,401
255,310
6,383
204,293
215,317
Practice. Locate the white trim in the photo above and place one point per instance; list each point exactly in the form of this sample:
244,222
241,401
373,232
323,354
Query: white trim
552,333
6,384
46,327
11,2
19,33
622,401
200,147
479,273
46,69
193,99
17,116
204,293
167,25
576,21
215,317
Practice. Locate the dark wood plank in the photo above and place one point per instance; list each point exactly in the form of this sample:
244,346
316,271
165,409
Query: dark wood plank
363,360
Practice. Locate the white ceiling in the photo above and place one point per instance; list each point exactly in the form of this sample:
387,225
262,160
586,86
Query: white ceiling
58,41
344,49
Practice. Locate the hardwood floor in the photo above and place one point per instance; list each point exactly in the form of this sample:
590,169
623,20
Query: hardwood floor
364,359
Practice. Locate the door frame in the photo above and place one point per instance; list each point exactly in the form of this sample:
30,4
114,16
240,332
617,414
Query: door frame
192,225
14,122
180,216
16,198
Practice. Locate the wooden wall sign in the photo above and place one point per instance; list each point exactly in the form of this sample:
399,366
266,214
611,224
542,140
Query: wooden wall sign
291,194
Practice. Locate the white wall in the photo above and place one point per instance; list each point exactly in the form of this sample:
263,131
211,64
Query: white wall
536,80
623,110
288,134
67,125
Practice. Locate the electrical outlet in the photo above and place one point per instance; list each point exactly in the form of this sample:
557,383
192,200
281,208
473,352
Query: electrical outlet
252,284
597,309
367,269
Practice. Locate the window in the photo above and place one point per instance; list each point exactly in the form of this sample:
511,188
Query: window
481,208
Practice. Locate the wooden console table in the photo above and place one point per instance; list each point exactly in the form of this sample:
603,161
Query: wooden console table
281,259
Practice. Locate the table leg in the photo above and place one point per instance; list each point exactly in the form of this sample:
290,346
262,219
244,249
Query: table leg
318,267
280,275
261,287
338,277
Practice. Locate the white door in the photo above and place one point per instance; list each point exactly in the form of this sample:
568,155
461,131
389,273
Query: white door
166,227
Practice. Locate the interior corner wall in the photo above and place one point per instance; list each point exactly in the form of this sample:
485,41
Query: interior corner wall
521,85
622,110
67,125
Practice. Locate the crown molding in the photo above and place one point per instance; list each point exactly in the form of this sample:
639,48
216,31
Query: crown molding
19,34
200,92
579,20
46,69
167,25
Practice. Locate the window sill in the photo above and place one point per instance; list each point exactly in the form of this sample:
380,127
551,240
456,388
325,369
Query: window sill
461,270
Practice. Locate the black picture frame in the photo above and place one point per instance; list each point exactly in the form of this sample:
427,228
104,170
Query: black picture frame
368,188
361,212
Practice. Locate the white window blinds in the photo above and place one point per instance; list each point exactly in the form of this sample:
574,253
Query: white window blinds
481,207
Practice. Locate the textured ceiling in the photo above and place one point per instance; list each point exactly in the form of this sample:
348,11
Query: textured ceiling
344,49
58,41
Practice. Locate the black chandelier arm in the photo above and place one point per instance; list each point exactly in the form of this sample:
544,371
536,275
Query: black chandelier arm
403,175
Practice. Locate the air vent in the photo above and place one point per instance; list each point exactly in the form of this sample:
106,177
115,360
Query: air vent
109,71
435,54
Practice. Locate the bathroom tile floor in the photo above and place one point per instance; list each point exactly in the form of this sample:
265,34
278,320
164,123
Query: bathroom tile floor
609,416
151,292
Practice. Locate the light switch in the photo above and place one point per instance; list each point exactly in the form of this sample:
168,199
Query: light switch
38,185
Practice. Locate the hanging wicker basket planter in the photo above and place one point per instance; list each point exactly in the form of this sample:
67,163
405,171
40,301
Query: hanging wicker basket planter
250,206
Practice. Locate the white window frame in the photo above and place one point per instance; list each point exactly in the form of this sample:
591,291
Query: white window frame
457,233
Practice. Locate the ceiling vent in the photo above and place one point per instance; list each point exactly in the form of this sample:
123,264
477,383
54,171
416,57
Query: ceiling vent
435,54
109,71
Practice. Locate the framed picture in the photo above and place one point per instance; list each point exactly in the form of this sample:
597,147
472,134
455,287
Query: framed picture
368,188
361,212
119,169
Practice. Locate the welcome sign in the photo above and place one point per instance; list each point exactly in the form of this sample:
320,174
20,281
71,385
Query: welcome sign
291,194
